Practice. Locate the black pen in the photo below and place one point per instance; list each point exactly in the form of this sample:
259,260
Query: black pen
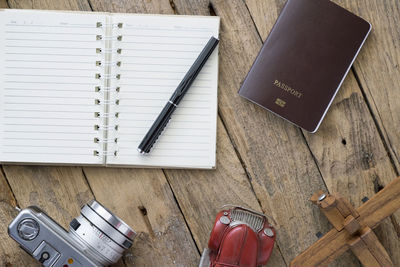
165,115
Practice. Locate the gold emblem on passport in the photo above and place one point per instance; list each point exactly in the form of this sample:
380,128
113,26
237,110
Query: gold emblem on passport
280,102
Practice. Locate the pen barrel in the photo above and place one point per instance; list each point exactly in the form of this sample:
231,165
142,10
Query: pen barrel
157,128
165,115
194,71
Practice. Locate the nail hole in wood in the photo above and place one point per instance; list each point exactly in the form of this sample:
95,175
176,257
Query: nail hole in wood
319,235
143,210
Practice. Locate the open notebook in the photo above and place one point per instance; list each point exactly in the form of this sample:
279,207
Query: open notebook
84,88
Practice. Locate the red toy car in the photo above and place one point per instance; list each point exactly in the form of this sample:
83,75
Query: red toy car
239,238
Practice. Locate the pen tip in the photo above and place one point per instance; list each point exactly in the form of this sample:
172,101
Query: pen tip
141,151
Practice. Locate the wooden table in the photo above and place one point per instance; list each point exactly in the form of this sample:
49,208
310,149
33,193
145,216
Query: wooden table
263,162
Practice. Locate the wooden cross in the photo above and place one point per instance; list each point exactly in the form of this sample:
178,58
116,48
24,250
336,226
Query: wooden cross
352,228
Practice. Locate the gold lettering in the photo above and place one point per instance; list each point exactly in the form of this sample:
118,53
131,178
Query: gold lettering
288,89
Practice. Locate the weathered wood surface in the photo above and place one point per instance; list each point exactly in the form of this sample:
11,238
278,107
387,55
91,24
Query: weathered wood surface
378,66
350,153
194,189
60,191
262,162
10,253
280,185
3,4
335,242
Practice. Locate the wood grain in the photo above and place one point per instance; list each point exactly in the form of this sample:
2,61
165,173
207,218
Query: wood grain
276,159
82,5
274,153
360,249
11,254
334,243
143,196
198,197
351,156
137,6
375,247
349,151
143,199
201,194
3,4
60,191
378,67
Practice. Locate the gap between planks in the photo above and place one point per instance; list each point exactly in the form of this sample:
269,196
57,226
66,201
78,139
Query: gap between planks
248,175
223,121
385,141
180,210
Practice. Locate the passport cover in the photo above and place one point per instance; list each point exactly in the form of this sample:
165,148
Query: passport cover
304,61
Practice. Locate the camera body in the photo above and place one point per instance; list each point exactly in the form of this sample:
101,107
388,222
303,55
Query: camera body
96,237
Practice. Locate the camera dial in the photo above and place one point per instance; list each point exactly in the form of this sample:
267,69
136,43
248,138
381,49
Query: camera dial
28,229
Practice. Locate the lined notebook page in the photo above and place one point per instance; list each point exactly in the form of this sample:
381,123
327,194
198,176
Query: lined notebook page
156,52
47,87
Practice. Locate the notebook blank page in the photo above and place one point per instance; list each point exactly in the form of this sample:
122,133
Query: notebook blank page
47,80
157,51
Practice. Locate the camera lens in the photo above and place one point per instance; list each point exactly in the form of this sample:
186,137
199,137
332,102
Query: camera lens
105,235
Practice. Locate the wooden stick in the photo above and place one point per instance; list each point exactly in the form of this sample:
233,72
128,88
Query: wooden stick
335,242
375,247
360,249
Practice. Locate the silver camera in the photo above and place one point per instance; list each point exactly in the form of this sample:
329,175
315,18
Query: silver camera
96,238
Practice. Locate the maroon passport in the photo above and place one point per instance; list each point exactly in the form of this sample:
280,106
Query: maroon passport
304,61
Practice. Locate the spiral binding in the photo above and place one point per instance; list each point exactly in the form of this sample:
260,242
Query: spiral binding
98,154
104,88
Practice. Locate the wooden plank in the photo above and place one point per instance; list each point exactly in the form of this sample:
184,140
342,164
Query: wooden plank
143,196
360,249
348,148
10,253
82,5
351,225
375,247
139,6
60,191
282,171
201,194
334,243
193,190
3,4
378,67
201,223
144,200
325,250
351,155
